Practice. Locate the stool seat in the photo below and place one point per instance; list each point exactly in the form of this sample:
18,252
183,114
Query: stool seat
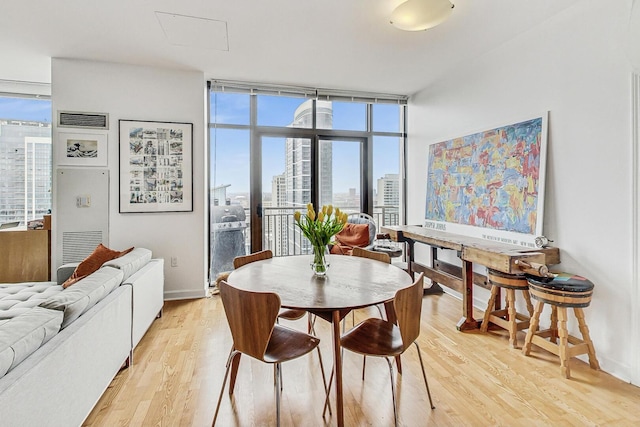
562,291
565,290
507,318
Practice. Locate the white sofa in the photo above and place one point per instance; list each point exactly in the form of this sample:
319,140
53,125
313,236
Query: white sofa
60,382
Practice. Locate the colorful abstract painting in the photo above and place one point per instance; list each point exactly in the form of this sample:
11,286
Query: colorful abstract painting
491,180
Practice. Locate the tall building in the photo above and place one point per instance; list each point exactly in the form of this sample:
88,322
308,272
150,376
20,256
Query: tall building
25,170
388,198
297,173
276,225
298,156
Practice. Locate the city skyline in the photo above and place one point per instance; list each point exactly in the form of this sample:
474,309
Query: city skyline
231,146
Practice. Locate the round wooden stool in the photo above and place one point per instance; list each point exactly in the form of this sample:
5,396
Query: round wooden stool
507,318
564,290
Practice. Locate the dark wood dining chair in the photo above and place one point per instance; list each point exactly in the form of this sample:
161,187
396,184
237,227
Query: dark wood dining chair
366,253
284,313
239,261
252,320
382,257
379,337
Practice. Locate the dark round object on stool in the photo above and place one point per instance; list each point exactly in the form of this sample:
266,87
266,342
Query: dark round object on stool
506,280
564,290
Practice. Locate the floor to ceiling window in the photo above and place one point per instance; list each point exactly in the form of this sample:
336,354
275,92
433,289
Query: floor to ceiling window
275,149
25,158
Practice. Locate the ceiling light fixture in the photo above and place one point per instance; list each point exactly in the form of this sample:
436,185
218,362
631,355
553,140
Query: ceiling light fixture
420,15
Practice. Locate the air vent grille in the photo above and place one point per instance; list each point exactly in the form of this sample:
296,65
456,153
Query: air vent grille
71,119
77,245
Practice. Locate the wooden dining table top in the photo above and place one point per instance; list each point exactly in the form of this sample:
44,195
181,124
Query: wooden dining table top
351,282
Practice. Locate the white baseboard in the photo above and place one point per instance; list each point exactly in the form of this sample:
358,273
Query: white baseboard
185,294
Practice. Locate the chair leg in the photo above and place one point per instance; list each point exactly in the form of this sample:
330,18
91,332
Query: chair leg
324,380
393,390
275,377
326,398
364,364
224,382
235,364
424,375
278,390
311,321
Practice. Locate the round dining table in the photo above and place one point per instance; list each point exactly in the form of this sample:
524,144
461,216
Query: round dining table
350,283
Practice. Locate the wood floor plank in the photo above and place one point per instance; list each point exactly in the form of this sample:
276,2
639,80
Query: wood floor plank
475,379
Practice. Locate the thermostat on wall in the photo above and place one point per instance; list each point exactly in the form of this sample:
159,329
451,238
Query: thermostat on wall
83,201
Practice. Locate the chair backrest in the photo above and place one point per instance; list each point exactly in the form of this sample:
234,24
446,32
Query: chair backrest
365,253
251,316
363,218
408,307
239,261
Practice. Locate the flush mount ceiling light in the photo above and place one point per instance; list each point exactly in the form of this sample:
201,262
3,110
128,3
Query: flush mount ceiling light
420,15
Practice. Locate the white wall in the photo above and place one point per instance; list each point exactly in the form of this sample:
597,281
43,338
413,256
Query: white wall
576,66
141,93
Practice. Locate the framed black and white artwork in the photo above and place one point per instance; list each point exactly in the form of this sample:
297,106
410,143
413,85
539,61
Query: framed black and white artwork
82,149
156,166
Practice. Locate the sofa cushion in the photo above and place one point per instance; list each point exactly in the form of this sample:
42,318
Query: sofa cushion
18,298
86,293
25,333
131,262
94,261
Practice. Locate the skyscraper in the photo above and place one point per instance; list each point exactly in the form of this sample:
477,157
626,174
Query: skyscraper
276,224
297,174
298,156
25,170
388,198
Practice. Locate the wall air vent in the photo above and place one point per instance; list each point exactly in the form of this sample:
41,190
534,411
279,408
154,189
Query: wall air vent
74,119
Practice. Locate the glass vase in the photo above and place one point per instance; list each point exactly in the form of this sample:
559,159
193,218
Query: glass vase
320,260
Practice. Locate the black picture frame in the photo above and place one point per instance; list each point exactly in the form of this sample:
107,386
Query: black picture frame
156,166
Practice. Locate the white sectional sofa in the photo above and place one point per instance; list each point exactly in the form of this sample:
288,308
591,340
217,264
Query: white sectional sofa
60,349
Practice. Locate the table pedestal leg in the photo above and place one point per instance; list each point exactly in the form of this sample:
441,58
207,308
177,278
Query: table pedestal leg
337,366
467,322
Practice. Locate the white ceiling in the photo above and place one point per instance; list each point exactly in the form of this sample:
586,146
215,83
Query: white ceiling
338,44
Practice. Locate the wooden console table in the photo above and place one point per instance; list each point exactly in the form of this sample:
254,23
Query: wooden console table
26,255
470,250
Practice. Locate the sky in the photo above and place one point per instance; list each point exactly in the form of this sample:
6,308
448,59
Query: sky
25,109
230,147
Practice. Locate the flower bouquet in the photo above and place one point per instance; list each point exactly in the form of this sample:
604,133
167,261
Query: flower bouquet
319,229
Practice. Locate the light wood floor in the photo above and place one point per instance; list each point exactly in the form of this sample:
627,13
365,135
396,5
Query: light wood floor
475,379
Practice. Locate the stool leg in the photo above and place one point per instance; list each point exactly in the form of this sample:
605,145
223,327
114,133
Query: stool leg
492,300
563,334
511,310
527,299
554,325
533,328
584,330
